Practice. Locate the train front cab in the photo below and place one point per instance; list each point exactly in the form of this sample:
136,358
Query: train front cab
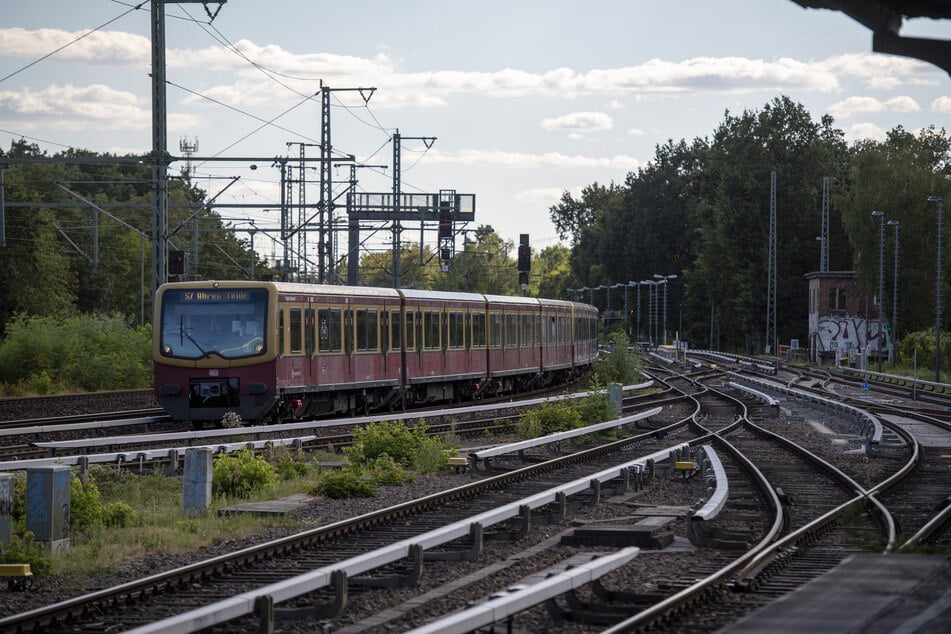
445,357
215,349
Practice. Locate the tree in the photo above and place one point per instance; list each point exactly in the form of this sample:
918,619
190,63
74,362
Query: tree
551,273
897,176
483,266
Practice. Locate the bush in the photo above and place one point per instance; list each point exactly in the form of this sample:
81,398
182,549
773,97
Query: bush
241,474
118,515
923,342
339,485
596,407
85,507
83,352
549,418
411,449
618,366
386,471
290,465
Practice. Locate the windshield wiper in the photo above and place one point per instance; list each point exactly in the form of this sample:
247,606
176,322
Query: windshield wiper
190,338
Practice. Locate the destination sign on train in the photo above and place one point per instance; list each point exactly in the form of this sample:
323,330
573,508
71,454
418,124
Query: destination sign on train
216,296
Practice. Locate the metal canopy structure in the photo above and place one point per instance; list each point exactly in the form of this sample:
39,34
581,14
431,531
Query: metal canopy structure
445,209
884,18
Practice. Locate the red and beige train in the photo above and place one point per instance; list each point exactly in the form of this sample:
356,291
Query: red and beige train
275,351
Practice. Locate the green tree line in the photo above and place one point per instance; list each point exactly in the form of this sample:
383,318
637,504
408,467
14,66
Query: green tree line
701,210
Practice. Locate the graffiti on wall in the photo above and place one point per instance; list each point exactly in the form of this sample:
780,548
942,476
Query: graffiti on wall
850,333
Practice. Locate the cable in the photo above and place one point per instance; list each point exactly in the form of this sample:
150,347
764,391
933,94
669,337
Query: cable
264,122
70,43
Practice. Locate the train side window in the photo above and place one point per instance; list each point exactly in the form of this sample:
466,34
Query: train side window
329,329
495,330
396,330
511,330
280,332
478,330
367,330
309,343
373,330
410,330
431,330
295,327
457,330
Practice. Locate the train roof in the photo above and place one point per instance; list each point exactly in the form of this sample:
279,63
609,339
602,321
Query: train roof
455,296
375,291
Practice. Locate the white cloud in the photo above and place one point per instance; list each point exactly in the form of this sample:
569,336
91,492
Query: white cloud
859,131
579,122
495,158
883,71
696,75
546,195
76,107
861,105
941,104
99,47
636,132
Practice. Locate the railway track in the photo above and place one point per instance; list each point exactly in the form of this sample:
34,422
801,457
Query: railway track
809,487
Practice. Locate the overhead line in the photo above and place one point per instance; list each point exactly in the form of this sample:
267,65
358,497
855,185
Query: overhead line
70,43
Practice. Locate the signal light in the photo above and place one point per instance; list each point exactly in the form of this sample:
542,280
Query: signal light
524,257
176,263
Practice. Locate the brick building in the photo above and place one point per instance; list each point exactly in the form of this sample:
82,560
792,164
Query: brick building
842,318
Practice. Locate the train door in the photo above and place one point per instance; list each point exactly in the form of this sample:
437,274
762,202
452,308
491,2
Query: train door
332,364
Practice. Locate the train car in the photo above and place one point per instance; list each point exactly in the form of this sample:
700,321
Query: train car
449,359
556,340
584,334
514,357
272,351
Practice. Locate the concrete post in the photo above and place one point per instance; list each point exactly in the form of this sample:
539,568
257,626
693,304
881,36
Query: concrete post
196,482
6,508
614,394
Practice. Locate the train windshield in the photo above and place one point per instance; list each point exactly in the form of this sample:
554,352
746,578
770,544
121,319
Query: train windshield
228,322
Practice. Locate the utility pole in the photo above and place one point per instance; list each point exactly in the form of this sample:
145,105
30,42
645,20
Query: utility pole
772,345
824,248
353,229
160,158
326,245
397,195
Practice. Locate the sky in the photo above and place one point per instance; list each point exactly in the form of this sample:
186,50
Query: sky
526,99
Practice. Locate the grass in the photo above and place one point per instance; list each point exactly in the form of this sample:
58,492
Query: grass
161,525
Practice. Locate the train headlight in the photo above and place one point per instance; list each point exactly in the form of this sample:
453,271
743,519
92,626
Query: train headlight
167,350
258,349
